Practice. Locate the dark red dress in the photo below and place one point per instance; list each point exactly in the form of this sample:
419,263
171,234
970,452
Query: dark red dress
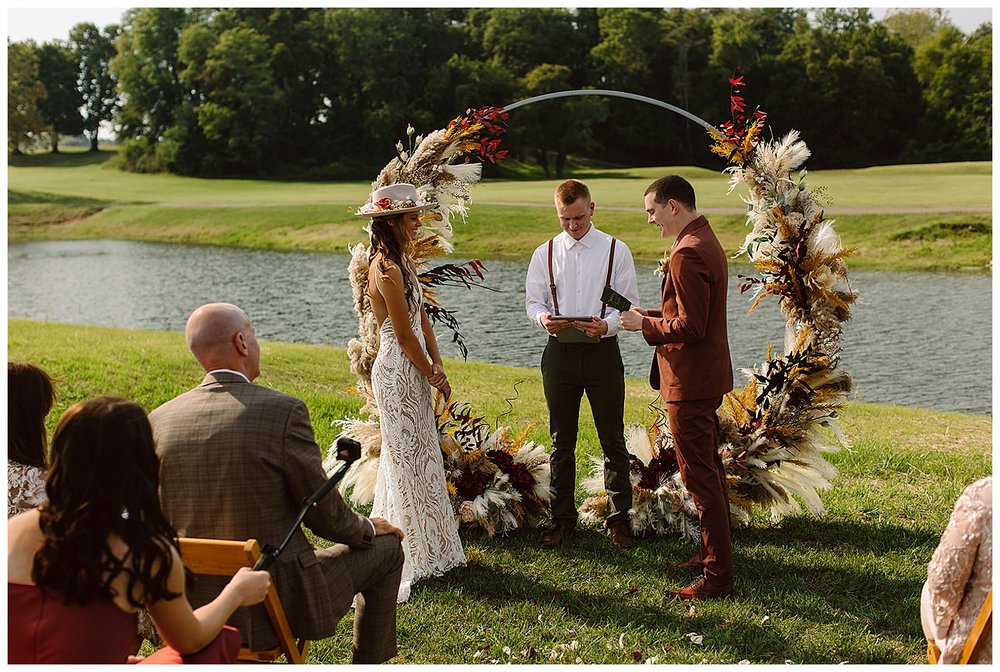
41,629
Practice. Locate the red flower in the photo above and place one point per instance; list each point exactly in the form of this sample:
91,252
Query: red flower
383,204
738,81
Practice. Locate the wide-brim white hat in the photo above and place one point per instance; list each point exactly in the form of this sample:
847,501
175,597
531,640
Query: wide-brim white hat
394,199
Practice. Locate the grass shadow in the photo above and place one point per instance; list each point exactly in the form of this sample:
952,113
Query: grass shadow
43,198
60,159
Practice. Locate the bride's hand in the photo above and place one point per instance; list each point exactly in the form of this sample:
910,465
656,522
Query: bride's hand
445,389
437,377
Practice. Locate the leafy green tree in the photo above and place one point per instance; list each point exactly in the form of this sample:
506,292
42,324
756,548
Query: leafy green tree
521,39
97,84
147,68
915,25
377,75
556,128
849,87
959,120
57,70
237,97
24,92
930,53
297,47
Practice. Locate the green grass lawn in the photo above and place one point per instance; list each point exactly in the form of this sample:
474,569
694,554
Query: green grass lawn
842,586
77,196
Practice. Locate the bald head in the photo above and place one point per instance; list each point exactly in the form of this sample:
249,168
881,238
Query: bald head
221,336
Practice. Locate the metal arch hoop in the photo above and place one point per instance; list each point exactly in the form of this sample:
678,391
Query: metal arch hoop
609,92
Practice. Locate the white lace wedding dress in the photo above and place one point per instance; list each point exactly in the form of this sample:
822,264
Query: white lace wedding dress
410,490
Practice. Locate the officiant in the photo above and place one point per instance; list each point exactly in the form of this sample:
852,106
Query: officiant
563,296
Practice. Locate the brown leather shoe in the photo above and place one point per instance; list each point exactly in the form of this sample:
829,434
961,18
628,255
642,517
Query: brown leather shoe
558,533
694,562
621,535
701,589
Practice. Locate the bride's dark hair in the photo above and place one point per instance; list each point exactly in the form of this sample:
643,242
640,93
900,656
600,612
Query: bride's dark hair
387,240
103,482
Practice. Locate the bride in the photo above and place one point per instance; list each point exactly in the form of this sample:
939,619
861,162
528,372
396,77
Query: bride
410,489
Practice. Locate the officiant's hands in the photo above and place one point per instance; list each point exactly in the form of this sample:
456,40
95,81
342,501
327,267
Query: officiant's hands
553,326
595,326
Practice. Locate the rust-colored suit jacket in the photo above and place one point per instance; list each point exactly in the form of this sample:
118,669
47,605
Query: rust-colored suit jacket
237,460
692,345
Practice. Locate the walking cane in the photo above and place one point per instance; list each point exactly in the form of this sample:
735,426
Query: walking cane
348,451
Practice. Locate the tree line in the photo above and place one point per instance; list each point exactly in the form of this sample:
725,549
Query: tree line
312,93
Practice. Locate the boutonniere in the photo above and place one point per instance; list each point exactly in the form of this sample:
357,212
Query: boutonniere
663,266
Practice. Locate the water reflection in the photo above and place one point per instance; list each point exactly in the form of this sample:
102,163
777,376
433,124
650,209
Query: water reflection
917,339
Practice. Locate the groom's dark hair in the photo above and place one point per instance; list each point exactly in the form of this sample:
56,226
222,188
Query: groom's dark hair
675,187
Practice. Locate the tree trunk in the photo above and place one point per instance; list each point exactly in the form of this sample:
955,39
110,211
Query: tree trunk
93,142
560,163
543,160
54,141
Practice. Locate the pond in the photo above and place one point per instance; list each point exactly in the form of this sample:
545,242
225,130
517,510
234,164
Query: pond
916,339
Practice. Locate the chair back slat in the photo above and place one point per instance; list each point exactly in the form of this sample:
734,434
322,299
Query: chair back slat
220,557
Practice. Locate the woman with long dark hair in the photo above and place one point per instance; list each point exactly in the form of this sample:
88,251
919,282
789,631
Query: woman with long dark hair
30,394
410,490
100,549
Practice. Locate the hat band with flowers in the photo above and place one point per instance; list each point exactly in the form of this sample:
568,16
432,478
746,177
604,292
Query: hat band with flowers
395,199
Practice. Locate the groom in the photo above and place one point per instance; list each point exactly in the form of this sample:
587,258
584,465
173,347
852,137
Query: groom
236,462
692,370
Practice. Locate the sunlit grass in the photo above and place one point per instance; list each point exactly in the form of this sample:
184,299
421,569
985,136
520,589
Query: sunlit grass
78,196
842,586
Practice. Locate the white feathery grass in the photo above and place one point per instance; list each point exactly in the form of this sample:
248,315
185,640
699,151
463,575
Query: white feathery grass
637,443
467,173
594,484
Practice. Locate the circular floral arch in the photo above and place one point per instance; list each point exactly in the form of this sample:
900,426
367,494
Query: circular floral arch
775,430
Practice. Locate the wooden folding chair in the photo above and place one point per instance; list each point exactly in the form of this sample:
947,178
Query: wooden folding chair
984,624
218,557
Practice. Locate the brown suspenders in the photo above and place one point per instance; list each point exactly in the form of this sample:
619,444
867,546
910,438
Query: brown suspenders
552,279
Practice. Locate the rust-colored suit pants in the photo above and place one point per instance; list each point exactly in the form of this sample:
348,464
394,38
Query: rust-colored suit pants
695,429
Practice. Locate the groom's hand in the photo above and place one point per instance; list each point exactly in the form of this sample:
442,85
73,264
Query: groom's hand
632,319
383,526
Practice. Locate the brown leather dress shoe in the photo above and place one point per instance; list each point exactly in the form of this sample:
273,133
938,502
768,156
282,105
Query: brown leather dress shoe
701,589
694,562
558,533
621,535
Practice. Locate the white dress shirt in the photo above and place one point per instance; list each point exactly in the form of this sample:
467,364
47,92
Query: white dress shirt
580,268
238,373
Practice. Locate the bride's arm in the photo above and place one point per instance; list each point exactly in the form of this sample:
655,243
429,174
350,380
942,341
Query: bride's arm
389,283
438,379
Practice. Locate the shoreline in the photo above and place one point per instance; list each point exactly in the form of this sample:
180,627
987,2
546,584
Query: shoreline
635,387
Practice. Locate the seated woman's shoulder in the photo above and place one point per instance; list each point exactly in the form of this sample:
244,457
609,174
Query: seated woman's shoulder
981,489
24,523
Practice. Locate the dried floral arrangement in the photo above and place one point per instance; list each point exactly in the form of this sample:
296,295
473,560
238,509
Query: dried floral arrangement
776,429
496,480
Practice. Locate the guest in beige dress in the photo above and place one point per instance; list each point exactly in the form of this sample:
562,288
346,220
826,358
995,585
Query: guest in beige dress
30,394
960,575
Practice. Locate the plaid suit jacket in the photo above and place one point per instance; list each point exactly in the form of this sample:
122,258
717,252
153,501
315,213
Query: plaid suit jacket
237,460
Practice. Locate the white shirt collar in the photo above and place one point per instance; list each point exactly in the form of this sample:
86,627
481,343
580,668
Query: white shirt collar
587,241
238,373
